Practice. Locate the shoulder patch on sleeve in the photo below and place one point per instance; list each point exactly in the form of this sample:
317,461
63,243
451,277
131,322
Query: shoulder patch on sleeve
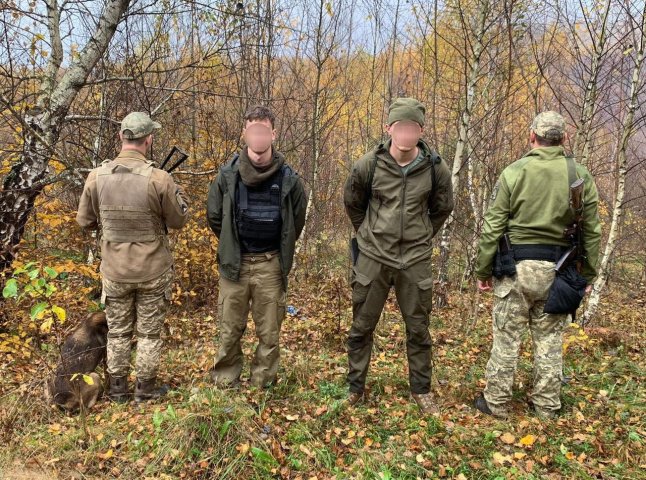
494,192
180,201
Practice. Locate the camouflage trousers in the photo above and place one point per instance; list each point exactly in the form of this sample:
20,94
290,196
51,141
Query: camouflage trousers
518,304
142,305
259,289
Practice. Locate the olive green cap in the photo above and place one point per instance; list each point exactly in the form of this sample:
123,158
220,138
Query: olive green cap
406,109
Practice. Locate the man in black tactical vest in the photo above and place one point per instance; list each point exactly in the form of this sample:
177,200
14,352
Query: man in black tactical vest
256,207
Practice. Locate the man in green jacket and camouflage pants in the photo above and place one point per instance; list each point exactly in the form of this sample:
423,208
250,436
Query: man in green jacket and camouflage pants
531,204
397,197
256,208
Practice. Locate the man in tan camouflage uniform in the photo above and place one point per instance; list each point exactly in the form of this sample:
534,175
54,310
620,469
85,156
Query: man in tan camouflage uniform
134,203
531,203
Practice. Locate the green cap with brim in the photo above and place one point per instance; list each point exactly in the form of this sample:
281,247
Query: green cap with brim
137,125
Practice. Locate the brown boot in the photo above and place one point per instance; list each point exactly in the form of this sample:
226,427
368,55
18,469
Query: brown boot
118,389
146,390
426,404
354,398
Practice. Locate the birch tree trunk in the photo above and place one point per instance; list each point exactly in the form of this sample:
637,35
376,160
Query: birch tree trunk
627,130
461,152
43,123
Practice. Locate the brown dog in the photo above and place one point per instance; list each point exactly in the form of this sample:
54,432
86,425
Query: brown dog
81,354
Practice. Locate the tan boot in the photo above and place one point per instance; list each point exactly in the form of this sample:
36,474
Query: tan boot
354,398
426,404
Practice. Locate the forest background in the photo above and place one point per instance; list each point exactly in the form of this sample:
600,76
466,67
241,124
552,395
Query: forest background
69,71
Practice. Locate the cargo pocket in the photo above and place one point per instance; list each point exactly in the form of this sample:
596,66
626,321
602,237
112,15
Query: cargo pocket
168,293
425,289
281,305
502,289
221,299
169,279
360,287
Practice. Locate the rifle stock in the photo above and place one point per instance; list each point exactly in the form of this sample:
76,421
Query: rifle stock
574,233
175,152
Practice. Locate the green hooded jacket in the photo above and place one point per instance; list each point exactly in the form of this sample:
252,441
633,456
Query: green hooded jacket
220,212
396,219
532,202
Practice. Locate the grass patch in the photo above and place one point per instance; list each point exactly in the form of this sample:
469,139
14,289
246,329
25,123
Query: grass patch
301,427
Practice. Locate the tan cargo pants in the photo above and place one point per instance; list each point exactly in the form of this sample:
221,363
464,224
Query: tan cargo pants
260,289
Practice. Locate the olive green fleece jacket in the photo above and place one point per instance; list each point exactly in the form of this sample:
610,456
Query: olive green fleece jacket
396,219
531,202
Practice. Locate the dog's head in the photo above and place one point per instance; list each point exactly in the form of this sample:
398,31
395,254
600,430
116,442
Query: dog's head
97,322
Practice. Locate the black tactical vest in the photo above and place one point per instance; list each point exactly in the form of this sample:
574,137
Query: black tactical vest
258,215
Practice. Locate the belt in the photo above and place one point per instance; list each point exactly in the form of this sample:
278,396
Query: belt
259,257
550,253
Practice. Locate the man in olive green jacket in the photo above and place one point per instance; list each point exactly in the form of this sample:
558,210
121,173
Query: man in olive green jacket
256,207
397,197
531,203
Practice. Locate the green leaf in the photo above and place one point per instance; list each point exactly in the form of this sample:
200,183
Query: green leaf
225,428
33,274
49,290
158,419
262,455
52,273
88,379
170,412
60,313
38,309
10,289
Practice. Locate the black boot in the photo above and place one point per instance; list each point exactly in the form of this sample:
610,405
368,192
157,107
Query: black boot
481,404
118,389
146,390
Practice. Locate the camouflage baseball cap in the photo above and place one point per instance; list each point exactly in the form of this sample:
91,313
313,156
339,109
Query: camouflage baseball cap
549,125
137,125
